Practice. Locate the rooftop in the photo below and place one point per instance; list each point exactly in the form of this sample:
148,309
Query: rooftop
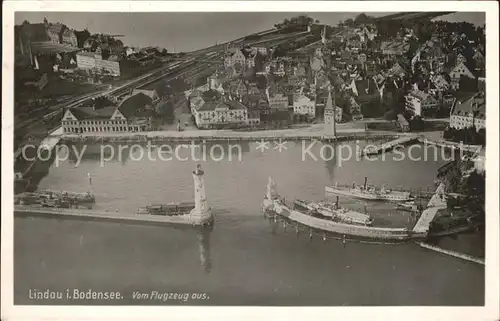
82,113
476,104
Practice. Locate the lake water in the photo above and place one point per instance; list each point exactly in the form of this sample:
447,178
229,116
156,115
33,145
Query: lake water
245,260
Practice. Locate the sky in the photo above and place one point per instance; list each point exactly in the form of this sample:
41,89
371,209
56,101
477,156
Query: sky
189,31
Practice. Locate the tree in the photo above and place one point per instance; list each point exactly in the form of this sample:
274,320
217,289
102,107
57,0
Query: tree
81,37
349,22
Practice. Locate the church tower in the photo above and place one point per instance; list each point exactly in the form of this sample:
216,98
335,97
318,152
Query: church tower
330,130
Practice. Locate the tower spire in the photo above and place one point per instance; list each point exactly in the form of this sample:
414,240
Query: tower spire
323,35
330,111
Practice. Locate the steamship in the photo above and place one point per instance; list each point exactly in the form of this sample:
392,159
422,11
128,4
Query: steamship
334,212
318,217
367,192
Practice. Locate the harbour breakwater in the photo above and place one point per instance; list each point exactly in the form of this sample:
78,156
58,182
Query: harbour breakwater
456,254
117,217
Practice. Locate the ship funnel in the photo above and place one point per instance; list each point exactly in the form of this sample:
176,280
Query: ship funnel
366,180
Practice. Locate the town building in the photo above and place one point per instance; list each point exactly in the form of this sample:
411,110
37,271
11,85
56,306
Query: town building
251,57
262,50
365,90
69,37
303,105
234,56
398,70
447,101
354,107
110,66
457,72
471,112
277,101
54,31
419,102
134,114
253,117
403,123
93,62
394,48
219,113
195,102
479,59
440,83
43,38
86,60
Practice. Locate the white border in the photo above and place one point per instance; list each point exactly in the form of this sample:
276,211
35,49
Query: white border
489,312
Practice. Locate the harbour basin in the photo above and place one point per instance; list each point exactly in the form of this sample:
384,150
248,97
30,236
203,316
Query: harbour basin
245,260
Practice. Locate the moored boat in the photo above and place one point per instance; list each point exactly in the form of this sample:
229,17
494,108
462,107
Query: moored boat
334,212
408,206
274,205
369,192
170,209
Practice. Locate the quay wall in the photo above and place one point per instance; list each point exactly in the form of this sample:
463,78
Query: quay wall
378,233
229,138
91,215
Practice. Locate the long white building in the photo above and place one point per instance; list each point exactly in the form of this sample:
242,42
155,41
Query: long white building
134,114
212,114
94,62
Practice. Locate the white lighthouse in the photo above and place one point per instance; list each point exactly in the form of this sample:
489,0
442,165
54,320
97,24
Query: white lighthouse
330,110
201,213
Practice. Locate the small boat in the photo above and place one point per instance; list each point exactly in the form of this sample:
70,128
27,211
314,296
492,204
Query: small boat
408,206
170,209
